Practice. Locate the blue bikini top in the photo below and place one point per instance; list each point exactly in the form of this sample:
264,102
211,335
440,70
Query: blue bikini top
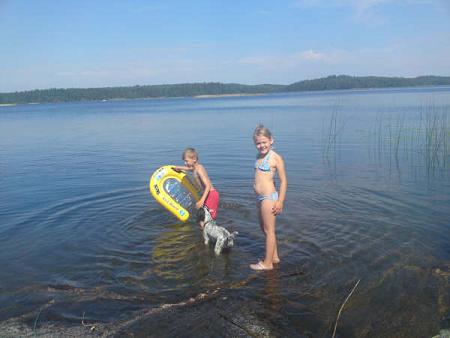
264,165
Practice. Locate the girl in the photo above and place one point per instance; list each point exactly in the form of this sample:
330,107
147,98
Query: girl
269,201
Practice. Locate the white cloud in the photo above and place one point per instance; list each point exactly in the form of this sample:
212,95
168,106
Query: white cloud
313,56
367,11
360,3
418,55
291,60
400,59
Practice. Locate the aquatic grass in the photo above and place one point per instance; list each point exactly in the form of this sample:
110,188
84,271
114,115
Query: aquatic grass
399,129
375,144
36,320
428,138
342,306
434,146
330,135
90,326
395,139
336,125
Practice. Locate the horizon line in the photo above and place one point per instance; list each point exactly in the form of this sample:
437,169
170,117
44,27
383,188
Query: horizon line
226,83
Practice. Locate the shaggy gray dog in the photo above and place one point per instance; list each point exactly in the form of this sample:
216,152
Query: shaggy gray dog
212,231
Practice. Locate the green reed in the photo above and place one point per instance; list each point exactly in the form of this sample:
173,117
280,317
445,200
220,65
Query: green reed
423,141
429,138
436,137
334,129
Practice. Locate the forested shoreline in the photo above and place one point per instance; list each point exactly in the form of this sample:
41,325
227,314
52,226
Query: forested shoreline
215,88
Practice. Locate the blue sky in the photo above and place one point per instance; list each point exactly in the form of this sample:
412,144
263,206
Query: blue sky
65,44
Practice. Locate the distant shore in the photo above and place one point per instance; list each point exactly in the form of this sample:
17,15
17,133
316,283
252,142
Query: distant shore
216,89
224,95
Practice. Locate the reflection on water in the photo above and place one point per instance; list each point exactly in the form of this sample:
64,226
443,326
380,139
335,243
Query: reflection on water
172,249
83,242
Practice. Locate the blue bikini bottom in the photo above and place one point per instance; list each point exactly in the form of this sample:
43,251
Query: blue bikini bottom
272,197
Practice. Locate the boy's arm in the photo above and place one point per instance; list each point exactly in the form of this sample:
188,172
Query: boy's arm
278,207
203,175
181,168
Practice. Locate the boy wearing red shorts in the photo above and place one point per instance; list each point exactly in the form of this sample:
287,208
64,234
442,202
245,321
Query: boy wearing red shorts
210,197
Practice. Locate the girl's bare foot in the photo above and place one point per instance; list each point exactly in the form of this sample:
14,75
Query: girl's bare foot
259,266
275,261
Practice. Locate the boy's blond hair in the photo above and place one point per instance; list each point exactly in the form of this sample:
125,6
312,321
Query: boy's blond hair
190,152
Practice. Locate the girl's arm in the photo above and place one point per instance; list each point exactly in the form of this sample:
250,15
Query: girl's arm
203,175
278,206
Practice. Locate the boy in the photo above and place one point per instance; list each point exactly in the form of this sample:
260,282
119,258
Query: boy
210,197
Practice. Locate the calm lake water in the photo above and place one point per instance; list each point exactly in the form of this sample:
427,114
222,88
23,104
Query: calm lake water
83,242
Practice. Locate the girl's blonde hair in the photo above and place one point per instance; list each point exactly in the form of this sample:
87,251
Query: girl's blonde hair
260,130
190,152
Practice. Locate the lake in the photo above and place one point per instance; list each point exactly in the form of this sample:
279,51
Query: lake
86,250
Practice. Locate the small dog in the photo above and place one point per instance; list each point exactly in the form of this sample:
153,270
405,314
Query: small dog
211,231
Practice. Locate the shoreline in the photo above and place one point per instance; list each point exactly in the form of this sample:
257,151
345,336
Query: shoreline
210,96
207,96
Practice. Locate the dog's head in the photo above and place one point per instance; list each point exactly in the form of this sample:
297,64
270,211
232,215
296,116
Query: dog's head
230,239
203,215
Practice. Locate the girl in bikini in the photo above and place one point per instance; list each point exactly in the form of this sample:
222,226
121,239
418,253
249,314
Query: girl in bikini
269,201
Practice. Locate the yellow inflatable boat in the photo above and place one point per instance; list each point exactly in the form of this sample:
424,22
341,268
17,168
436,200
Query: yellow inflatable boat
176,191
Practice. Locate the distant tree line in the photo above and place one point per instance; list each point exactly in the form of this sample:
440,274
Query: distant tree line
214,88
354,82
134,92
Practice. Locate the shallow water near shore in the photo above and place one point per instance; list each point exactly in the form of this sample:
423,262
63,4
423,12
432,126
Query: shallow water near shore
83,242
